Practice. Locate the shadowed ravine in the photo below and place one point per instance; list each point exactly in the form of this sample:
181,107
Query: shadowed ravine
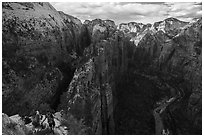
159,126
135,103
99,77
136,107
67,75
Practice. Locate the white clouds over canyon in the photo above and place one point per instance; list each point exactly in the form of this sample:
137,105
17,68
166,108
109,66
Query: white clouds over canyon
131,11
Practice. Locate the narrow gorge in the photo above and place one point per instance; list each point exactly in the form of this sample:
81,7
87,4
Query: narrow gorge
126,79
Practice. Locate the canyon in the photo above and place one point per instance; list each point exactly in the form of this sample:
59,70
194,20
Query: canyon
125,79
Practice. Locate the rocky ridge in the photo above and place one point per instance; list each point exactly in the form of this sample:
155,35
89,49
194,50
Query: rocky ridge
170,26
107,86
39,44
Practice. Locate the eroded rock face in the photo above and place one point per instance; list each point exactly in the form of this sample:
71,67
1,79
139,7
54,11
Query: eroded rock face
90,95
13,126
178,61
37,41
100,28
171,26
118,77
133,27
136,31
157,58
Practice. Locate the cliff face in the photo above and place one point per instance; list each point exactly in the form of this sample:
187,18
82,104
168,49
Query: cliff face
10,127
125,80
90,94
136,31
171,26
39,44
166,64
178,62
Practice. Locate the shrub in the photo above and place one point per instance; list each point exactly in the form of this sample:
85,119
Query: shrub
27,4
75,127
11,125
5,5
41,3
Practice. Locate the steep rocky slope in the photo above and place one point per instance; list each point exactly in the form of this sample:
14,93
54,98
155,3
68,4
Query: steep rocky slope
134,79
170,26
163,66
15,125
11,127
39,44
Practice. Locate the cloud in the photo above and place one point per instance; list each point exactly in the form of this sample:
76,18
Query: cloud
185,11
145,12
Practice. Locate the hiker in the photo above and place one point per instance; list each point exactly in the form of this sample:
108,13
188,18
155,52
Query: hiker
50,119
27,120
36,121
165,132
62,113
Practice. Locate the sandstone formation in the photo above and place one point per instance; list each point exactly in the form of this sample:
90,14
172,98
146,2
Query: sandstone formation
39,44
132,78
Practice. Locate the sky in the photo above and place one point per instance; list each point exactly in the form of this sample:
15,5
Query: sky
124,12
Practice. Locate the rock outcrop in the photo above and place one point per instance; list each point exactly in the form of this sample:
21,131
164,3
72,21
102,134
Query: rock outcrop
15,125
111,78
178,62
11,127
39,44
170,26
156,55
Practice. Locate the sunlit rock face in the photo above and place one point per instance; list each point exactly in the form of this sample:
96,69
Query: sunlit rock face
131,27
13,126
100,29
112,78
170,26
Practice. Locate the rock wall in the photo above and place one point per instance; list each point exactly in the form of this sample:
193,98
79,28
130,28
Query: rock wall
110,78
178,62
39,46
13,126
90,95
116,59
